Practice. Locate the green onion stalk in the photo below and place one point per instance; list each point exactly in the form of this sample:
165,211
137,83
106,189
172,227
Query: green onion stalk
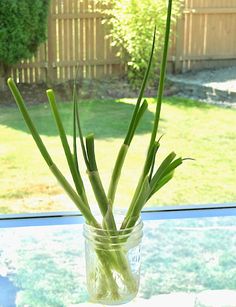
152,178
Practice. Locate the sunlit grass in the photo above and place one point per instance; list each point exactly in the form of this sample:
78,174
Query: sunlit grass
192,129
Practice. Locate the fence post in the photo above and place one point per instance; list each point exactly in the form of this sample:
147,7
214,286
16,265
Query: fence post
51,67
179,44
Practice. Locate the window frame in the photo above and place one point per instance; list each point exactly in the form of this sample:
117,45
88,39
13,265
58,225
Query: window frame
150,213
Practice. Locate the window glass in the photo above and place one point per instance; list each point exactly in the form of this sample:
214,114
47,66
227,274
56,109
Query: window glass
199,127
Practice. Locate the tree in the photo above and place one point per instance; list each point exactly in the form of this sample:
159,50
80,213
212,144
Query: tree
23,25
132,24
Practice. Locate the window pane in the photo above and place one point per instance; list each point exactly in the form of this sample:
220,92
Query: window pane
189,261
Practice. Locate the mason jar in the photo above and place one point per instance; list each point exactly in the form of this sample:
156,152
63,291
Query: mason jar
113,263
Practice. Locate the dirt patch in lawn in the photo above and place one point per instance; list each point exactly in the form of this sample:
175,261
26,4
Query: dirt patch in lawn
216,86
87,89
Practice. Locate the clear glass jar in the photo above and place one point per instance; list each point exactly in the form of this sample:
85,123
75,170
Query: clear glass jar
113,263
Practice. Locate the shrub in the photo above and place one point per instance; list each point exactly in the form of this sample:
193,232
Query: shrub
22,29
132,23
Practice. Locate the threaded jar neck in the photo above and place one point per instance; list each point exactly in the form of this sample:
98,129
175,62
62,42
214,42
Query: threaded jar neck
114,239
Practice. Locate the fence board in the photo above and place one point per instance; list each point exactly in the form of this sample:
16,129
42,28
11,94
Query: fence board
204,36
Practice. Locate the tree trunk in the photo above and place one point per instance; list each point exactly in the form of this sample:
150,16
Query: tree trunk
4,74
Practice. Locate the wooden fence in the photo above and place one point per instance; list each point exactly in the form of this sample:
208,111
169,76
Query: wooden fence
76,37
205,37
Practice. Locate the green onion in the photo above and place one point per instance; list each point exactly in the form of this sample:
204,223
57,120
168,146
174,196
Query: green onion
151,180
73,167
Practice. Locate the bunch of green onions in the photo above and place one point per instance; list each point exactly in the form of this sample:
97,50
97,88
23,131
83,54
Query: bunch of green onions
152,178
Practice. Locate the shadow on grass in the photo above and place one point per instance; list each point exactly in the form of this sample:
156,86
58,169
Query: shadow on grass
106,119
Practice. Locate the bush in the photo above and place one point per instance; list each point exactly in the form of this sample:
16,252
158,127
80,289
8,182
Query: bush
132,24
22,29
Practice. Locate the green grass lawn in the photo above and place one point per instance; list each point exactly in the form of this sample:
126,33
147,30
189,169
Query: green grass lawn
204,132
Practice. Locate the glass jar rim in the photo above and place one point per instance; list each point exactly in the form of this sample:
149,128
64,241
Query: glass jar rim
115,238
138,225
